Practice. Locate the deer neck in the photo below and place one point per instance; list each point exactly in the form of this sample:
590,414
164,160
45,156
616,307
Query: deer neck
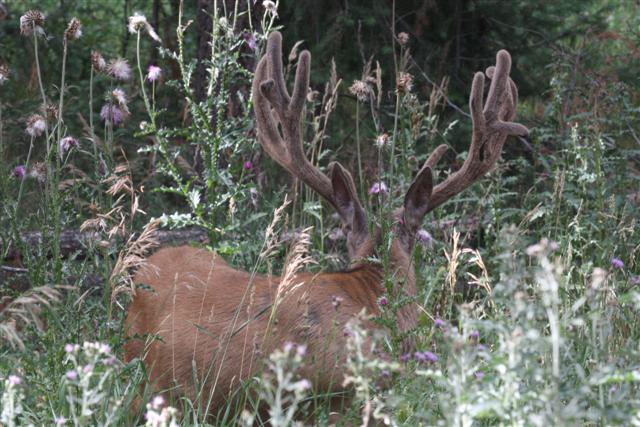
404,282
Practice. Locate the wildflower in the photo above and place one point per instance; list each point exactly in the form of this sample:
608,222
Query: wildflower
112,114
301,350
250,40
403,38
425,356
87,369
39,172
138,22
543,247
385,373
361,90
270,7
119,97
36,125
97,62
303,384
382,140
119,68
379,188
104,348
404,82
67,143
32,21
617,263
60,421
438,323
424,238
405,357
153,73
4,73
383,301
288,346
74,29
248,165
14,380
474,336
51,111
19,172
69,348
71,375
110,361
157,402
479,375
481,348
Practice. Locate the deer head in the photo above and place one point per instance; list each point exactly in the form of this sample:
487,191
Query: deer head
279,120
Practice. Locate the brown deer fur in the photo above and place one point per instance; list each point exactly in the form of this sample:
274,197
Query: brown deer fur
203,315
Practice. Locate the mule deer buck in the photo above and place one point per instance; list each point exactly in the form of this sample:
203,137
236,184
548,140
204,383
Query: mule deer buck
212,320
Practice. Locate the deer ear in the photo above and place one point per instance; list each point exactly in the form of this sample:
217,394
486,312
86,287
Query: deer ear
416,201
346,199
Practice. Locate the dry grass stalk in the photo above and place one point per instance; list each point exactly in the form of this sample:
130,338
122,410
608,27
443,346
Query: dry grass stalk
27,308
130,258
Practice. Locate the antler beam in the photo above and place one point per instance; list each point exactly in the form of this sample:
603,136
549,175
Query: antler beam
274,106
491,127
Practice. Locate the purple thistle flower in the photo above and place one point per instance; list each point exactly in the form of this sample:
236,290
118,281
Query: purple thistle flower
153,73
385,373
475,335
405,357
479,375
67,143
248,165
383,301
481,348
425,356
617,263
112,114
424,238
378,188
14,380
68,348
60,421
71,375
438,323
250,40
19,171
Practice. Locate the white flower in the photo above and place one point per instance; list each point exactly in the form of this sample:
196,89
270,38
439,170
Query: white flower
119,96
270,7
120,69
36,125
138,22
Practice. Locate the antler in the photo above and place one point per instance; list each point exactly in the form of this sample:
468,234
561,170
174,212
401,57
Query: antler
270,96
491,126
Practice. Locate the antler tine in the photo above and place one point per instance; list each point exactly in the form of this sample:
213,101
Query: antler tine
491,126
271,96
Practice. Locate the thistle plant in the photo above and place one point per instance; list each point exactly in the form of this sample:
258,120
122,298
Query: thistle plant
280,389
